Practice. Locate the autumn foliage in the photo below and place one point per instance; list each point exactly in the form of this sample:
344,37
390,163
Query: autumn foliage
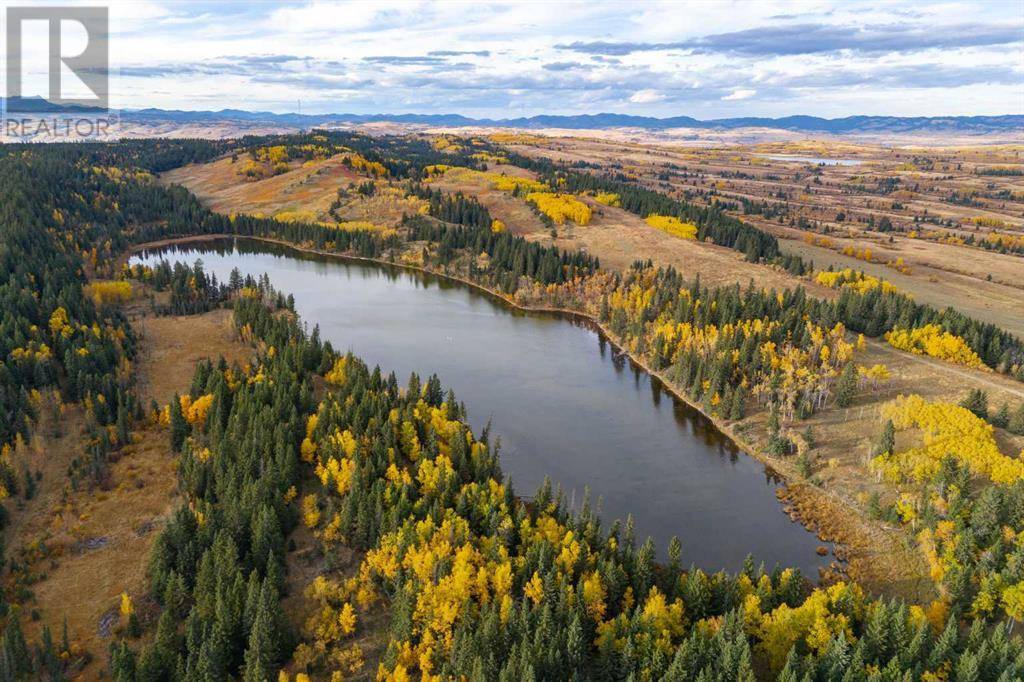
560,207
948,430
935,342
853,279
673,226
108,292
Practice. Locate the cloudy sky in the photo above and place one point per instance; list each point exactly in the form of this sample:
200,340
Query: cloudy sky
704,59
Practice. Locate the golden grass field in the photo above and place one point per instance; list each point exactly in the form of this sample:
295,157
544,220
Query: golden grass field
306,187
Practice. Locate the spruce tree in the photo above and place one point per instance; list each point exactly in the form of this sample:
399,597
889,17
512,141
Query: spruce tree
122,662
736,408
179,427
1016,424
1001,419
846,386
887,441
15,650
977,402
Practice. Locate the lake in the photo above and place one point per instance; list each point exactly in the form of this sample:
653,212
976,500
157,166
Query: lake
816,160
562,402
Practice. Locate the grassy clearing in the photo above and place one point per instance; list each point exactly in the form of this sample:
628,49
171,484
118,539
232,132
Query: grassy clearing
306,187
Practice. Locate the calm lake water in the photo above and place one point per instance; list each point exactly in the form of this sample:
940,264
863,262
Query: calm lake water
562,402
817,160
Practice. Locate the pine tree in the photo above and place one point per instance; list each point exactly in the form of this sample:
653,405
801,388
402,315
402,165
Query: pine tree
644,570
967,667
774,425
791,671
262,651
175,596
122,662
267,539
134,627
846,386
179,427
674,567
986,517
945,646
47,656
977,402
1016,425
576,647
736,408
15,649
887,441
1001,419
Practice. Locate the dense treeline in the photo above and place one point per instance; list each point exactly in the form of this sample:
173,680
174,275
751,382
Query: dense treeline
997,241
401,156
118,205
52,334
191,290
727,344
157,156
453,208
154,155
509,257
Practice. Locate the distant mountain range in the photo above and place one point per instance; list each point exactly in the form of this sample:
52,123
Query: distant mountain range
38,105
810,124
850,124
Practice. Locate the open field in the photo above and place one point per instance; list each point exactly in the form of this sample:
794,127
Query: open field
307,187
620,238
616,236
942,276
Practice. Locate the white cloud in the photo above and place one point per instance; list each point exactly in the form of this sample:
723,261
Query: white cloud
743,93
646,97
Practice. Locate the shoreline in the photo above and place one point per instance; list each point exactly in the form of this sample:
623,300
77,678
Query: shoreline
804,502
